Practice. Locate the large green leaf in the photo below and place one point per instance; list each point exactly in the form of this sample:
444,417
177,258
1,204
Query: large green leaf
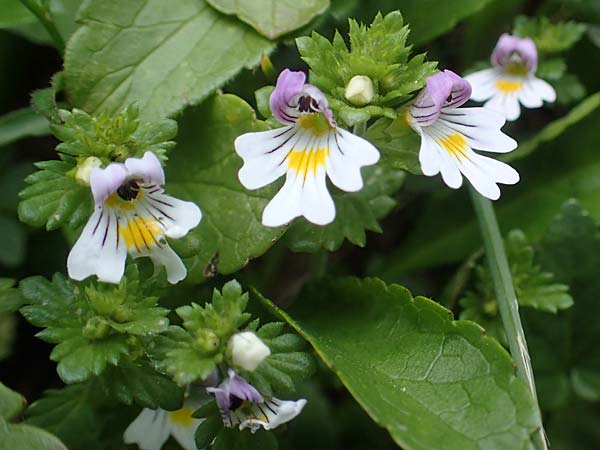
272,18
11,403
562,167
432,382
20,124
203,168
25,437
166,55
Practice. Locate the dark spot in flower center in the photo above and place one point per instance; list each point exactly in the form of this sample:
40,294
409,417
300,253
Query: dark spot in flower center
234,402
129,190
307,104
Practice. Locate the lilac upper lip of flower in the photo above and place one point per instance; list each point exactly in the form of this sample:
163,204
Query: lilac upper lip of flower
508,45
234,387
291,85
443,90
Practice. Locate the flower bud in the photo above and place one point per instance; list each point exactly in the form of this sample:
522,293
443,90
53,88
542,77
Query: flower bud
206,341
360,90
247,350
84,170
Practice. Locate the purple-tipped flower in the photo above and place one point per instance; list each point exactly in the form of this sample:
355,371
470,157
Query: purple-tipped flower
243,406
131,215
512,79
450,133
308,149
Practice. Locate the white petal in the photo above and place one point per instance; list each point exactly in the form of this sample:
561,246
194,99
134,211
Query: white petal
177,216
148,168
347,154
185,436
271,414
316,202
264,155
150,430
99,250
482,84
498,171
528,97
165,256
480,127
479,178
183,426
429,156
506,104
285,206
543,89
450,171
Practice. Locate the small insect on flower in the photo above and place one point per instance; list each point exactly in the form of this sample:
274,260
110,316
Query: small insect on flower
307,149
512,78
132,215
243,406
152,427
449,134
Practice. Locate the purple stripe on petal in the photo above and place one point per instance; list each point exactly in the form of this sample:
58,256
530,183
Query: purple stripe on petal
289,84
508,45
316,94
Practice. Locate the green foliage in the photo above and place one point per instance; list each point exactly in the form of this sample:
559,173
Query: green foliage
204,169
272,18
43,101
10,297
432,382
11,403
379,52
93,325
20,124
356,212
168,51
229,439
549,37
287,365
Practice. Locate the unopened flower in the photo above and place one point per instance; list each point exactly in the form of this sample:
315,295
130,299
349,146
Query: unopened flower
309,148
360,90
512,79
242,406
132,215
152,427
247,350
449,134
85,169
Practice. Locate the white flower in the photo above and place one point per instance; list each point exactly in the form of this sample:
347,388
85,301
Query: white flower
151,428
242,406
132,215
449,134
511,81
308,149
247,350
360,90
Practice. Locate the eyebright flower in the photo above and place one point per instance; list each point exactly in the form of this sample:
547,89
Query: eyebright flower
247,350
512,78
243,406
132,215
308,148
449,134
151,428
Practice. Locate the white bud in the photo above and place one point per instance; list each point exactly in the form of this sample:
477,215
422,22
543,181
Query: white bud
360,90
85,170
247,350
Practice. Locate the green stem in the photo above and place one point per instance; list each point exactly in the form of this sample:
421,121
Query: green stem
43,15
506,297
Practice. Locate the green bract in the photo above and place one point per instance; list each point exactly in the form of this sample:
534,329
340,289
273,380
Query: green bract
378,52
92,324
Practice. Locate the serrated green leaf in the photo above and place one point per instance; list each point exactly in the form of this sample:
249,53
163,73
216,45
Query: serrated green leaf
356,213
25,437
10,297
11,403
549,37
432,382
94,326
20,124
139,383
168,51
68,413
378,52
272,18
43,101
231,231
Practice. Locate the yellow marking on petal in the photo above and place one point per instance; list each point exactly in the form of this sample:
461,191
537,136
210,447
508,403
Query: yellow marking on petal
182,417
455,144
116,202
307,161
509,87
316,123
140,233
